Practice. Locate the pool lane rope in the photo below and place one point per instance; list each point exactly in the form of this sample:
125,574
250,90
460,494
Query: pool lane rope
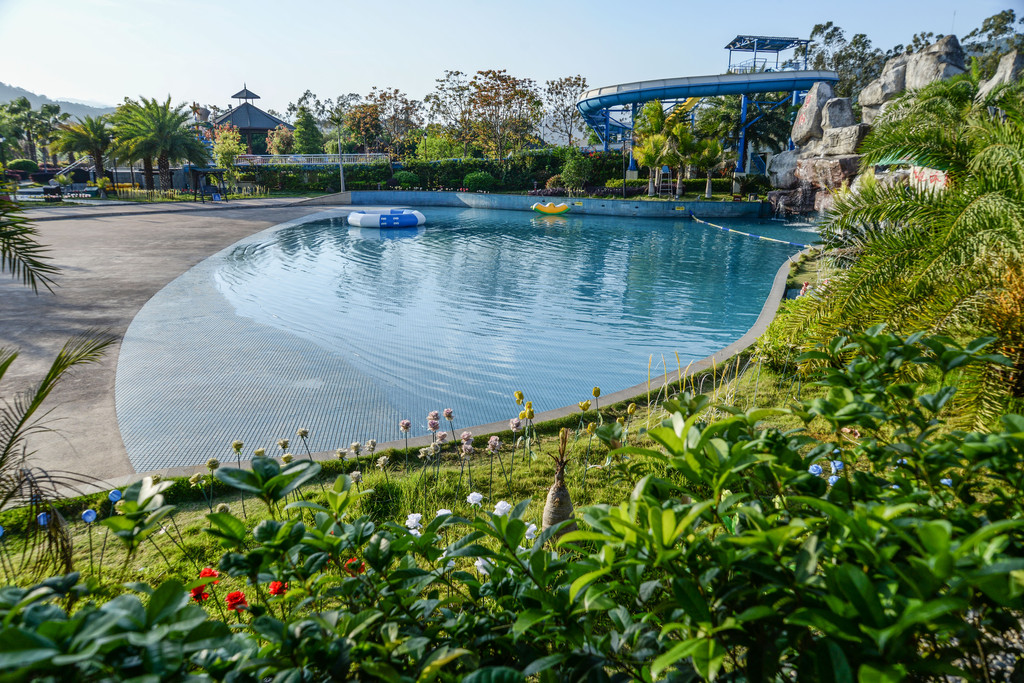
747,234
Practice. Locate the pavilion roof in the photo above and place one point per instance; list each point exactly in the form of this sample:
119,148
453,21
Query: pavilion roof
249,116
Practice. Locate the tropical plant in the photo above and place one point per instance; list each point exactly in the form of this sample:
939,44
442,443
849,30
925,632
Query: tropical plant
650,153
558,506
707,158
281,140
20,254
134,139
921,256
159,130
91,135
681,145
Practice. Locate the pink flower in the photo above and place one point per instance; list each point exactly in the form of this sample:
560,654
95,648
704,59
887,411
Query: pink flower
405,425
493,444
433,415
449,414
467,436
515,424
467,448
433,425
442,437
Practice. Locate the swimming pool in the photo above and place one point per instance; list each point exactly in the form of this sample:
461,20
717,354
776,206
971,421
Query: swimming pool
345,331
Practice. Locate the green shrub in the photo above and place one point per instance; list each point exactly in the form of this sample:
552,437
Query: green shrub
577,171
26,165
407,180
630,182
479,181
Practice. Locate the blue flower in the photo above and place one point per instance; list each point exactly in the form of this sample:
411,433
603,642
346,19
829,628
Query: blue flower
835,451
837,466
946,482
815,469
43,518
1,532
89,516
832,480
901,461
895,486
114,496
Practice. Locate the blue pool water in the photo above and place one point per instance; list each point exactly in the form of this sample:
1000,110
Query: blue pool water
345,331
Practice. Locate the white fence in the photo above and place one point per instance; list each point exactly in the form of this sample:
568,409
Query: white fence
309,159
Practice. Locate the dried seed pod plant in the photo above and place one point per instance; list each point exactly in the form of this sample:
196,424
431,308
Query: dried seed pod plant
558,507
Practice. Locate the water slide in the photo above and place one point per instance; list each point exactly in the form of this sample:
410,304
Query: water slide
595,105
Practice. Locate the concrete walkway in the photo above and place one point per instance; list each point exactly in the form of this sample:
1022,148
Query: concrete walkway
112,259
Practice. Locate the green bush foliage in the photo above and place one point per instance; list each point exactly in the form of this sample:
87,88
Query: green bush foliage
737,559
480,181
406,180
629,182
26,165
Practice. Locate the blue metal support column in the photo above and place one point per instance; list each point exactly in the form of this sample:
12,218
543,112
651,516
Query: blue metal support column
740,161
632,128
607,128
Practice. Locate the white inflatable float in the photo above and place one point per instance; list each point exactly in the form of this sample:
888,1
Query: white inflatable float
386,218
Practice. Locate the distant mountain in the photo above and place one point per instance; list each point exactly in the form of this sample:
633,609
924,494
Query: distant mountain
9,93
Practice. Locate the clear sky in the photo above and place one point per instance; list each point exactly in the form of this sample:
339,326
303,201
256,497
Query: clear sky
204,50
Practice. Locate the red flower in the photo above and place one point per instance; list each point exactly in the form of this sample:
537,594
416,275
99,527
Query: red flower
278,587
209,573
236,601
354,566
199,593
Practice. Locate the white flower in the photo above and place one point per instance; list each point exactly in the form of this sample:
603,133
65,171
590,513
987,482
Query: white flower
356,475
531,532
502,508
450,564
474,498
382,462
443,511
413,520
415,532
483,566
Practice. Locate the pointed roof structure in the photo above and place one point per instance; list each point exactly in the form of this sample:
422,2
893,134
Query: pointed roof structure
252,122
245,94
249,117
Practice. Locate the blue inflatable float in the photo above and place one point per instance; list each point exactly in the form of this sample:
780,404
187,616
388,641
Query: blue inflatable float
386,218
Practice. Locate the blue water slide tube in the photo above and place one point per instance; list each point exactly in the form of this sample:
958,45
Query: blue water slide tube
594,104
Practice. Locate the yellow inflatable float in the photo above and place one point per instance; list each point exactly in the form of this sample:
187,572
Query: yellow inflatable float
550,209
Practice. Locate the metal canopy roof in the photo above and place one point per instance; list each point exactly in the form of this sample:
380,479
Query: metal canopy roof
764,43
245,94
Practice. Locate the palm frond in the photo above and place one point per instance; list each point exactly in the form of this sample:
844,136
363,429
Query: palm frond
20,253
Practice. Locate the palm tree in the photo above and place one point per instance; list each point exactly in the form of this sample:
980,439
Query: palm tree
681,146
650,153
157,129
943,260
91,135
133,139
708,157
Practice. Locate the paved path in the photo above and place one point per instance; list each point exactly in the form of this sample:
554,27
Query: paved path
112,259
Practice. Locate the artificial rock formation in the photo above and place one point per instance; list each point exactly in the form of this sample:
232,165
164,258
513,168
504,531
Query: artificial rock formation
827,132
1010,69
808,120
939,61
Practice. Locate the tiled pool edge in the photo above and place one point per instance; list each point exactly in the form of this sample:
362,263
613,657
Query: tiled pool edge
517,202
764,318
